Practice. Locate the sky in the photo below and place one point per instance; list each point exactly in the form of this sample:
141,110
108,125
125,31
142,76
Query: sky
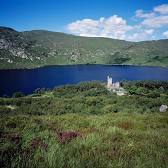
132,20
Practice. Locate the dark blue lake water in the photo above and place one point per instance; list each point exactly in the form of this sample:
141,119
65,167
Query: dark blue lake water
27,80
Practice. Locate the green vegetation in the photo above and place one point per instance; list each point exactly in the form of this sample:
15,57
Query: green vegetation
86,126
39,48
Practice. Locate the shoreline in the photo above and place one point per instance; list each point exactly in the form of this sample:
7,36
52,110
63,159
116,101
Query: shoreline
59,65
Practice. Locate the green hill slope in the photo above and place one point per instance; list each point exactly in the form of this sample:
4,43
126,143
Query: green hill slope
39,47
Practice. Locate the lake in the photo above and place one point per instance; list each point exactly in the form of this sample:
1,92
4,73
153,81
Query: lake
27,80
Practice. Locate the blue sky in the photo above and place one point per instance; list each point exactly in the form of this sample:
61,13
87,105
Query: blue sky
133,20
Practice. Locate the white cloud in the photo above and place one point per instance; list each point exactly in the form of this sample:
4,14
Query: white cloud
140,14
145,26
86,27
113,27
165,34
162,9
149,31
156,18
140,35
157,21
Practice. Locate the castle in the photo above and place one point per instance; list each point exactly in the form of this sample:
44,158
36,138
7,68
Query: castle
115,87
111,85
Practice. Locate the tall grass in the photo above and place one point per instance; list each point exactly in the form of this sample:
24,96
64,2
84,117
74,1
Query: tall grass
96,136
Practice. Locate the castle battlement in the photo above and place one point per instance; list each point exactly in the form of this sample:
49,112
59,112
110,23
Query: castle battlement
109,82
115,87
111,85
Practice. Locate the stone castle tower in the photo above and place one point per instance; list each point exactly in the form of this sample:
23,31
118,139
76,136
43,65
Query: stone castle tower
109,82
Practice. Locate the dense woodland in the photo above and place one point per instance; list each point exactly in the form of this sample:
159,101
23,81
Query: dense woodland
85,125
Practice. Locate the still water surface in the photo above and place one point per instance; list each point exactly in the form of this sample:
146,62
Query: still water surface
27,80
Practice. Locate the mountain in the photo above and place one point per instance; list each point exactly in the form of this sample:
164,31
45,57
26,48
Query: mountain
36,48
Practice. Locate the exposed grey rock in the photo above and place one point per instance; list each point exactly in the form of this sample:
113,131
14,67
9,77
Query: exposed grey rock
163,108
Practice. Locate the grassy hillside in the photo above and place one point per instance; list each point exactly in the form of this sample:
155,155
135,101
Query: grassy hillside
39,47
86,126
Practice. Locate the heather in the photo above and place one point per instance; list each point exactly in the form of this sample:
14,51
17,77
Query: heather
86,126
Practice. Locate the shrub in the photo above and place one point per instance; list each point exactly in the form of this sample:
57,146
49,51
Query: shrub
4,110
153,95
17,94
40,91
